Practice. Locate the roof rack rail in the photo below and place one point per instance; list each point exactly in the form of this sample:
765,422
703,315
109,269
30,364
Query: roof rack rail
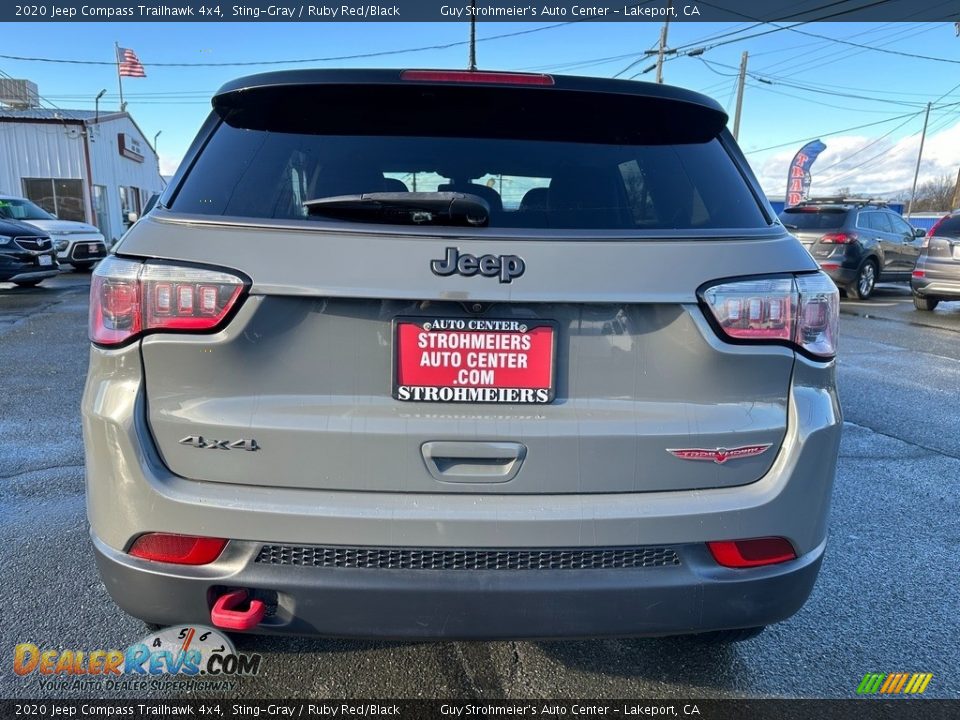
840,200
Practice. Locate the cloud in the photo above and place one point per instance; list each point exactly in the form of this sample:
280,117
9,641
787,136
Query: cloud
884,168
169,165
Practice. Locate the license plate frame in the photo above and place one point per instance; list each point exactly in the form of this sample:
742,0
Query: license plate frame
44,261
540,390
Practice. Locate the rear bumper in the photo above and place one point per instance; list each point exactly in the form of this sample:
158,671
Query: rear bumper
130,491
843,277
695,596
937,285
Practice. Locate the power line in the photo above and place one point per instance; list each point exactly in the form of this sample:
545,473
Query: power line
868,145
805,55
763,87
775,80
878,49
832,132
357,56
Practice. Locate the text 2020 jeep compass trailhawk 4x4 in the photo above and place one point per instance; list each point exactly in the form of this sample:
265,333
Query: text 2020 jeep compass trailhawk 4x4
461,354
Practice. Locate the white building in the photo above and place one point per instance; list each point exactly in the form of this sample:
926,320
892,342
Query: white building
77,164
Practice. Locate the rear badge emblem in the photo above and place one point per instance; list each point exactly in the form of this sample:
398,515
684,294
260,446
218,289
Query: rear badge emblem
198,441
719,455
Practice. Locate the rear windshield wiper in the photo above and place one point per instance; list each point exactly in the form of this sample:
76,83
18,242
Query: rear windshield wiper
405,208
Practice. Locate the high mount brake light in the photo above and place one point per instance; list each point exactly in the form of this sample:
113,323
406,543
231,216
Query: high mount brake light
128,298
476,76
802,311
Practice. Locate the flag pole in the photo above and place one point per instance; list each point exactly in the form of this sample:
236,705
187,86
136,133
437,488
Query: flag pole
116,54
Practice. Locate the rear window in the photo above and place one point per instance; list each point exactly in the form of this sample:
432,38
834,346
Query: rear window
807,218
528,183
950,227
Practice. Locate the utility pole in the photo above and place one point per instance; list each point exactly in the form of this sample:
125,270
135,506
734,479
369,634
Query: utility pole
663,43
740,83
955,205
473,35
916,173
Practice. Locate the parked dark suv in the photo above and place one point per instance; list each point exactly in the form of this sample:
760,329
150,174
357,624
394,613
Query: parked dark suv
937,274
27,255
857,242
444,354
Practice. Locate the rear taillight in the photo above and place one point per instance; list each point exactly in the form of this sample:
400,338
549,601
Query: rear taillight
177,549
801,311
128,298
476,76
840,238
755,552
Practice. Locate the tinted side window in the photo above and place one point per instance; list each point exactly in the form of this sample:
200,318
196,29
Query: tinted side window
900,226
879,221
527,183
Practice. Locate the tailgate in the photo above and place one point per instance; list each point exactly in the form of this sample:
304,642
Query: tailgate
307,370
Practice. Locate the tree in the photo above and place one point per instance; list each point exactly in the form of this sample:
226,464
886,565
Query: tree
935,195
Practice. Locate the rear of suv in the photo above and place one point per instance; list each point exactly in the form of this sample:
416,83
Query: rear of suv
416,354
857,242
936,277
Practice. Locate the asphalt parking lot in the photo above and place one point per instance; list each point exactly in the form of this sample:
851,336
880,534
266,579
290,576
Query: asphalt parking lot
886,600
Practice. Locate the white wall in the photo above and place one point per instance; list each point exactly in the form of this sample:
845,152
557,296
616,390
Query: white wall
110,168
55,150
44,150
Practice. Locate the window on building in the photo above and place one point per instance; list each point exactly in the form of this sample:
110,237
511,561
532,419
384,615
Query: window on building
129,203
63,198
100,211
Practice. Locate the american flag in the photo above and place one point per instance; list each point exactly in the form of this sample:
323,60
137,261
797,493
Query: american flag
129,63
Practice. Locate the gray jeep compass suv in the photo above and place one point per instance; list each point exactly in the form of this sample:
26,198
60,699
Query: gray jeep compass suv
461,354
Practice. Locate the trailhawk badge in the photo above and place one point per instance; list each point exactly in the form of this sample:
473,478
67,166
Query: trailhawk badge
719,455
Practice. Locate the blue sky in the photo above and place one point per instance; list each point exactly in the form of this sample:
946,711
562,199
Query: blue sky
869,86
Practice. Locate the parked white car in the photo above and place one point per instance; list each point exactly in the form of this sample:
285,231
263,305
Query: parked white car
77,243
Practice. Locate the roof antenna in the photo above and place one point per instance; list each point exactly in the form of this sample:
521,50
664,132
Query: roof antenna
473,35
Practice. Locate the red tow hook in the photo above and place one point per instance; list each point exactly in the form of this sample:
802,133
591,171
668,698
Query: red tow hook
223,615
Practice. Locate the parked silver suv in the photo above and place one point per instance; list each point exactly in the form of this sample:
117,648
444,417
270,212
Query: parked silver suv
461,354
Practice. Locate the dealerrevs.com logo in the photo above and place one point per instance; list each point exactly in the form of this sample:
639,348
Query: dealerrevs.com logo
183,652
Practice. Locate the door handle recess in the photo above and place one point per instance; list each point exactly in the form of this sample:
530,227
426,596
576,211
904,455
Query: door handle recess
473,461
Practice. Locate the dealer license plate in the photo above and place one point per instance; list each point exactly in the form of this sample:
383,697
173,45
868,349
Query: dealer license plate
44,260
474,360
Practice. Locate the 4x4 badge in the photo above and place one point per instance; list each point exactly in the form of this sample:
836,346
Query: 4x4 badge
719,455
198,441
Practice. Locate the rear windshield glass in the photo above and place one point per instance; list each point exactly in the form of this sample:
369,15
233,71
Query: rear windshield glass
813,219
950,227
527,183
